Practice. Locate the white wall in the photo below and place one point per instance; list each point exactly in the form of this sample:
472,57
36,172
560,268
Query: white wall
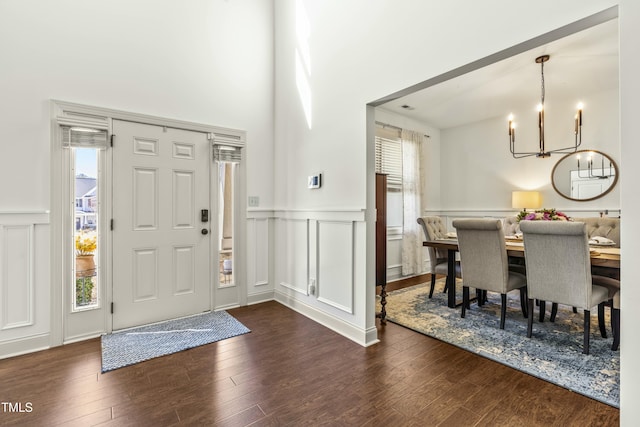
202,61
630,151
205,61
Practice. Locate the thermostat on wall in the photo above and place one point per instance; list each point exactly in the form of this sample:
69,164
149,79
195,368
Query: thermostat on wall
314,181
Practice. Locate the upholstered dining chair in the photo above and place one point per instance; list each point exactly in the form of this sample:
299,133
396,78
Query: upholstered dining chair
434,229
608,228
511,225
485,265
615,321
602,227
559,270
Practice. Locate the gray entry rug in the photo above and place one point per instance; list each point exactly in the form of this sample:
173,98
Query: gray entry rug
131,346
554,353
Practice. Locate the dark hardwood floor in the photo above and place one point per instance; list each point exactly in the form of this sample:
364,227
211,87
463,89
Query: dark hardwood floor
289,371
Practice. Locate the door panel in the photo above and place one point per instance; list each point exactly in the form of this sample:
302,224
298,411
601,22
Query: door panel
161,257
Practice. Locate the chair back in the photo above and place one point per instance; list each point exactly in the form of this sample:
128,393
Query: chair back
483,254
511,226
558,262
434,229
603,227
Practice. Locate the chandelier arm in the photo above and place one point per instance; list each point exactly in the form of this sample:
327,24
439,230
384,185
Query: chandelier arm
521,155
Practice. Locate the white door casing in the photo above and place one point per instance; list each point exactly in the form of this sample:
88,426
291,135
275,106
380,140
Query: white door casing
161,258
66,326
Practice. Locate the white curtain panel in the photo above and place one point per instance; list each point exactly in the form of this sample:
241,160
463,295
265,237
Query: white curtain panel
412,251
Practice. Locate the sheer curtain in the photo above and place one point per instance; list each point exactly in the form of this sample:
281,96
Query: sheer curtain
412,252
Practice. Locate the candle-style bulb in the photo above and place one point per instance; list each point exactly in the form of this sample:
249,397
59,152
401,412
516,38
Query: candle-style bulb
579,118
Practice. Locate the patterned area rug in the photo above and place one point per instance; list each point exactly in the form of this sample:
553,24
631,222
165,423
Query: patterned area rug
131,346
554,353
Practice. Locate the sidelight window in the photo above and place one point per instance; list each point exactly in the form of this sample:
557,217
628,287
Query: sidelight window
84,156
227,159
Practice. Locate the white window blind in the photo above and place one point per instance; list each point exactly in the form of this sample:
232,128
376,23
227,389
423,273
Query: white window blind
389,161
83,137
227,153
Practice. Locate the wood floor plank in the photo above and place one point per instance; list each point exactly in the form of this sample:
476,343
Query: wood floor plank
289,370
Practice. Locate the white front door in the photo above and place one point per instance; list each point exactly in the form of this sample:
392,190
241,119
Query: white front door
161,254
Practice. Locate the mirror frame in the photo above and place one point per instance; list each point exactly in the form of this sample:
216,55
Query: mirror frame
611,187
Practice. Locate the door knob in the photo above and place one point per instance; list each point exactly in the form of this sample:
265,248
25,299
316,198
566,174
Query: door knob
204,231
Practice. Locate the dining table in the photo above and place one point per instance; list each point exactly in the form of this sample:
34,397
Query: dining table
603,257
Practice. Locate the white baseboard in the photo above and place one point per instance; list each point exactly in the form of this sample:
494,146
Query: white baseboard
364,337
25,345
260,297
83,337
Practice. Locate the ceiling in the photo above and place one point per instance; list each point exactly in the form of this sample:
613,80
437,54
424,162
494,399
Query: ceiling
586,61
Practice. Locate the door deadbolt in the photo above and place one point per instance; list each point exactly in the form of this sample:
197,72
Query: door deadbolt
205,231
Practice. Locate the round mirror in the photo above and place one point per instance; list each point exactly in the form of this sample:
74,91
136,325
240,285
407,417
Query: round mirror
584,175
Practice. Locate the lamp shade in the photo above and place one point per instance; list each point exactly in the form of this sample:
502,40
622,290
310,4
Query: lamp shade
526,199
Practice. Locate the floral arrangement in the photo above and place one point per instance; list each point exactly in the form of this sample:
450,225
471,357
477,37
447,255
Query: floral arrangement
85,245
543,215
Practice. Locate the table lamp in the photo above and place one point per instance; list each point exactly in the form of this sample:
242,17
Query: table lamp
526,199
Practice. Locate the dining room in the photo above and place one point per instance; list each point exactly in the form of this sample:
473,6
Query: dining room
473,166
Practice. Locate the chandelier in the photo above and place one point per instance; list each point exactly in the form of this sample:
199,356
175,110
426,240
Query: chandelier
543,152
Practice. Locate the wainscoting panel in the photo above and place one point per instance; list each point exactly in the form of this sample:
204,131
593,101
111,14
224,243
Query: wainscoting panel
394,257
25,319
335,258
320,269
259,257
16,281
260,260
292,244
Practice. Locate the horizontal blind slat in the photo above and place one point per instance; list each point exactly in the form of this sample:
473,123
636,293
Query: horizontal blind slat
227,153
388,160
83,137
